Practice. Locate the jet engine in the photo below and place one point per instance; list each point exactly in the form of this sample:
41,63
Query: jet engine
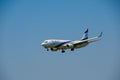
69,45
54,49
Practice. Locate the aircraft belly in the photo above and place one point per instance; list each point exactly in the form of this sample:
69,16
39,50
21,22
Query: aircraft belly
63,47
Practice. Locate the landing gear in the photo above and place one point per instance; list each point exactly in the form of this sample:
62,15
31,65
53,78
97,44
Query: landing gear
47,49
63,51
72,49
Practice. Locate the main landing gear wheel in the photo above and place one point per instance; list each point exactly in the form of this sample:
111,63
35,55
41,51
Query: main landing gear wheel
72,49
63,51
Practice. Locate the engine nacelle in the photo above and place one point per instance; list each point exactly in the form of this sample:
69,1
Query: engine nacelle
69,45
54,49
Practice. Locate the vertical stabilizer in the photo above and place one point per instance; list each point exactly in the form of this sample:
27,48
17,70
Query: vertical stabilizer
85,35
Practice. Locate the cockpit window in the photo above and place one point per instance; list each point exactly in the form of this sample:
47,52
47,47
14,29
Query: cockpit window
46,42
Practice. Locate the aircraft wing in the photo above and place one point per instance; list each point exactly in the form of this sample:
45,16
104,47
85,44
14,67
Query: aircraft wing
95,38
88,40
80,43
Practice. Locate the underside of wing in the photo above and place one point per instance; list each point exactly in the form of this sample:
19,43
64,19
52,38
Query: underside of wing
74,44
80,44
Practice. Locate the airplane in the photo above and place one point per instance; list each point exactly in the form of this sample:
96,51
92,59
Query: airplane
56,44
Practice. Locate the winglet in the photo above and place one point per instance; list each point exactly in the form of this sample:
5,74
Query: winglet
100,35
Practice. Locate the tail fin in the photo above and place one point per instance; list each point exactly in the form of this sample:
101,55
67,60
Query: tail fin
85,35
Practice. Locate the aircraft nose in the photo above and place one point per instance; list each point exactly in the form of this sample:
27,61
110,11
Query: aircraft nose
43,44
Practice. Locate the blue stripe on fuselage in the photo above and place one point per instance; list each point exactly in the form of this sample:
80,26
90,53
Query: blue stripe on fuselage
62,43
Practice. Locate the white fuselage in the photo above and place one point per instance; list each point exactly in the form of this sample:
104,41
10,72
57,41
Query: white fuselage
53,43
66,44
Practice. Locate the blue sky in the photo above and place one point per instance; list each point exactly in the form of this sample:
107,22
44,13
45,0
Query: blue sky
26,23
